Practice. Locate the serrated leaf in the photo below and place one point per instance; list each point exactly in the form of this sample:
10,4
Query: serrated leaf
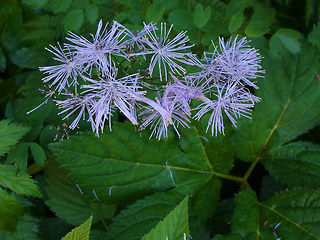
289,105
121,165
174,226
155,12
296,164
73,20
10,134
314,36
18,182
201,16
236,21
27,228
68,202
10,210
295,213
38,153
140,217
81,232
19,155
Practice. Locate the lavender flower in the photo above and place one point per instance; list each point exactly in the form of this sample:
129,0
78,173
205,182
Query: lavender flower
160,114
233,100
88,79
110,93
105,43
165,51
82,104
138,38
233,61
65,74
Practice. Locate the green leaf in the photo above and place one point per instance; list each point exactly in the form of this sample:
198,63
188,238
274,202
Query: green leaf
200,16
155,12
181,19
121,165
92,13
60,5
20,183
26,228
140,217
10,209
10,134
314,36
38,153
3,61
174,226
296,164
236,21
81,232
288,108
256,29
288,38
68,202
263,15
73,20
294,212
19,155
235,6
121,17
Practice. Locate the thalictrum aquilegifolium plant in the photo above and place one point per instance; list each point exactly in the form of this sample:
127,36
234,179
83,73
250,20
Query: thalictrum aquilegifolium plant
86,83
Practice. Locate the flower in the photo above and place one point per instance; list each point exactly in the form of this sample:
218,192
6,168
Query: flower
105,43
235,101
165,51
161,113
110,93
75,103
65,74
234,61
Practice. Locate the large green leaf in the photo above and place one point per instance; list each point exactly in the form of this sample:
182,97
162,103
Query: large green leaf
81,232
20,183
121,165
295,215
175,225
10,134
289,106
296,164
68,202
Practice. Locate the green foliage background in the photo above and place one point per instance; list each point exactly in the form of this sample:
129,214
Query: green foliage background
125,186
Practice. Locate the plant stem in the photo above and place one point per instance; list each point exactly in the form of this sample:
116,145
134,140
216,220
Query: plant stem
229,177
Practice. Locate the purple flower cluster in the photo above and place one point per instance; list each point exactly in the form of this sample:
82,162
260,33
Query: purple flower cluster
90,86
